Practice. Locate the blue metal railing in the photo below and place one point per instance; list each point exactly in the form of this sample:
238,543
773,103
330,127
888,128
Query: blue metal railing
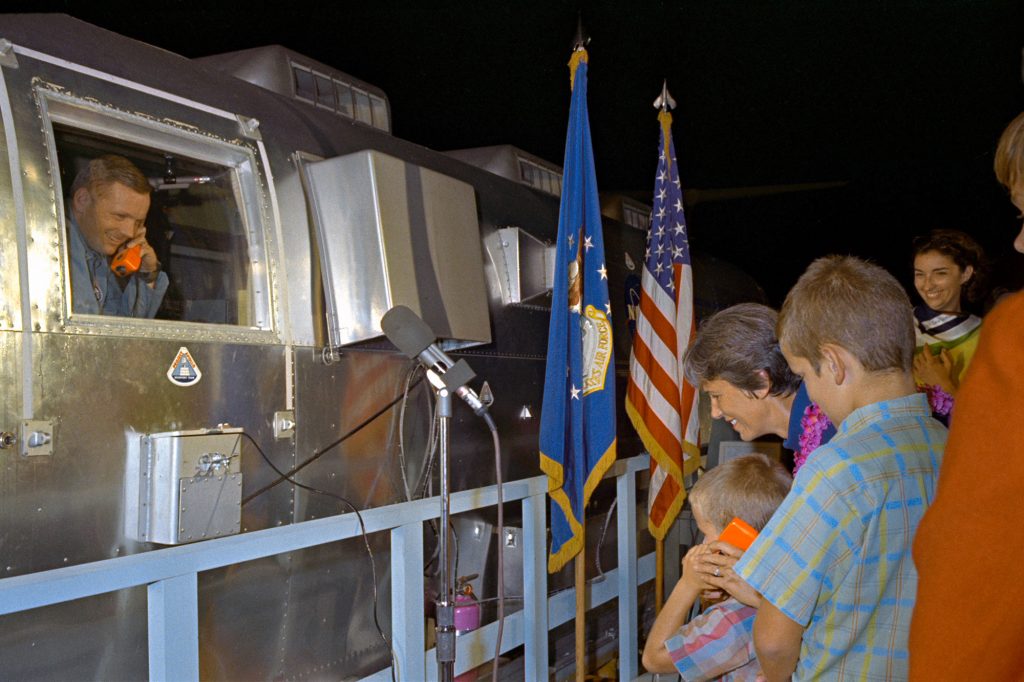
171,577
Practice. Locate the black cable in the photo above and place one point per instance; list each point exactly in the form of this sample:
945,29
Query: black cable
286,476
600,543
501,543
401,431
362,528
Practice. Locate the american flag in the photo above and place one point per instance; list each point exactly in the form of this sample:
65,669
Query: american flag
659,401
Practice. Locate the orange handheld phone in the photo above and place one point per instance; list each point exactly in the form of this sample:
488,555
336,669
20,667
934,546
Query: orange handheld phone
738,533
127,262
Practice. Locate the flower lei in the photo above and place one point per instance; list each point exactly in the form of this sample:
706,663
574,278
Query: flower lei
939,400
814,423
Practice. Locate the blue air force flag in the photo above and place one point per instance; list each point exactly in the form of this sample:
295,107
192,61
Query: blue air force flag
577,424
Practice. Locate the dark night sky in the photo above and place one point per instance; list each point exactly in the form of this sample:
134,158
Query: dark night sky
903,101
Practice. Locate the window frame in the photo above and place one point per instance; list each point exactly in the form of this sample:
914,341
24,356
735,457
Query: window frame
242,159
296,69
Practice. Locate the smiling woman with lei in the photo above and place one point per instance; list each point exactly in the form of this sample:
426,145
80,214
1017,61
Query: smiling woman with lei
948,268
736,360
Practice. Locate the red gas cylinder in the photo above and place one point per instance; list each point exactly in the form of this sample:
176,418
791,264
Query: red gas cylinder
467,617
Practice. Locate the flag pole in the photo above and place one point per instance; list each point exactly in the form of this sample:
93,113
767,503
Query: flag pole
581,40
659,575
581,609
664,102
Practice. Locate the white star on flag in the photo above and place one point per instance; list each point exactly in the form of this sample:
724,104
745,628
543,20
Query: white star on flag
588,243
601,271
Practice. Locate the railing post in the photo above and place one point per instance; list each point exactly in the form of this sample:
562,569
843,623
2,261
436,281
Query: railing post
535,588
625,489
408,636
173,606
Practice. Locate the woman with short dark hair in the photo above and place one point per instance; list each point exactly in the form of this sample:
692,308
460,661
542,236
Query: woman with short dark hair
736,360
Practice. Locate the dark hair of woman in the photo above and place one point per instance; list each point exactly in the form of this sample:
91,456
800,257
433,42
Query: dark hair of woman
961,248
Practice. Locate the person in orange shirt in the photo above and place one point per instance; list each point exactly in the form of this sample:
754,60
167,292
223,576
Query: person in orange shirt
968,623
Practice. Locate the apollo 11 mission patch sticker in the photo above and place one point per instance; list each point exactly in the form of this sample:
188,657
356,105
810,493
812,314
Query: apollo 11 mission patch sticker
184,371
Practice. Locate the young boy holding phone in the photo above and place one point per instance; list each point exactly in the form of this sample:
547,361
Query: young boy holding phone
718,643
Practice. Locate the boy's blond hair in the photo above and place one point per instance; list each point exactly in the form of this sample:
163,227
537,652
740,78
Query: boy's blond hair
853,304
751,487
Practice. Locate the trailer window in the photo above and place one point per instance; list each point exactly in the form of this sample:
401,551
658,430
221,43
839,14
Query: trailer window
305,88
344,99
363,112
194,223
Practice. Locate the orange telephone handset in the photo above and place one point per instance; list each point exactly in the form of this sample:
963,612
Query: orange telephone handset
738,533
127,261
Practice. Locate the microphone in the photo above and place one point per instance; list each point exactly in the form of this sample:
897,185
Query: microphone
415,338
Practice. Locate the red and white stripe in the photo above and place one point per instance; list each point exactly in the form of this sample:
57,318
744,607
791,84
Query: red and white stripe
661,404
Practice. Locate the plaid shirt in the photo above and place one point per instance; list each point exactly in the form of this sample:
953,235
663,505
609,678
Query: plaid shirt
717,645
835,557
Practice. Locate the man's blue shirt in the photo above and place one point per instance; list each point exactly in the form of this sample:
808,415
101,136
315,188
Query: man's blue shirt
96,290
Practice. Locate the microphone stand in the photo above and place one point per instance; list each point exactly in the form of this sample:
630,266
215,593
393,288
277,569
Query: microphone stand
445,605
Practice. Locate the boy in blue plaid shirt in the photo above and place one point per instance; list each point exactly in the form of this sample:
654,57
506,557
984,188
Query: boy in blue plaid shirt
834,565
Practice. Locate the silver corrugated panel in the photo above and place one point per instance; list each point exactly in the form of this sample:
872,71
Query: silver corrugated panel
393,233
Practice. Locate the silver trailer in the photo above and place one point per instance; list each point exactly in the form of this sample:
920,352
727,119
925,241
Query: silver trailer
288,220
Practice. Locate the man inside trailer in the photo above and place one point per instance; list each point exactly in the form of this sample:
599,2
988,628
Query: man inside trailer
109,200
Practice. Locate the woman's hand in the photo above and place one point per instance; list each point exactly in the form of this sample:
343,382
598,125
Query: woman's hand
716,570
935,370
